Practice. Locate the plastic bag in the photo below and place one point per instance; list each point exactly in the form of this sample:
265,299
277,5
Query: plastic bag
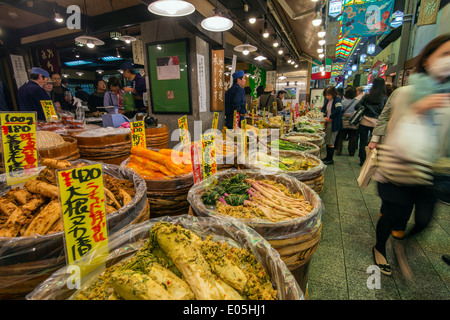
269,230
368,168
132,238
415,138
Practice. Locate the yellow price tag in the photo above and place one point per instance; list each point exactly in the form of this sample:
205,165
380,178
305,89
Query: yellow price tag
84,213
138,134
215,120
20,156
234,120
184,132
209,155
49,110
243,137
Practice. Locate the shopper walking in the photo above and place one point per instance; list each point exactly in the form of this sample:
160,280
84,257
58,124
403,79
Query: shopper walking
332,111
351,132
406,184
373,104
267,99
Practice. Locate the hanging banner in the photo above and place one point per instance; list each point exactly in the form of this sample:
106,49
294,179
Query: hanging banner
367,19
48,58
83,206
137,48
257,78
138,134
20,157
316,74
429,10
217,80
49,110
333,33
208,155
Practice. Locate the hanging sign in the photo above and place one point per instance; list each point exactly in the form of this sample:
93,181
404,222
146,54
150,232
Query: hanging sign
217,80
49,110
83,205
316,74
138,134
184,132
20,157
334,8
208,155
429,10
367,19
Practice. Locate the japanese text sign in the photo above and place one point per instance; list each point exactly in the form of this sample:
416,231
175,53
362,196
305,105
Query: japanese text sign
195,159
20,157
215,120
84,210
209,155
184,132
49,110
138,134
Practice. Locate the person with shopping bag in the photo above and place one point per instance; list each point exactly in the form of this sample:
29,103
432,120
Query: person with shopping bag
405,173
332,111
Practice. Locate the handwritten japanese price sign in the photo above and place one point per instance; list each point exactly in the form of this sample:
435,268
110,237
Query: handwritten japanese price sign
209,155
49,110
215,120
253,117
234,120
243,137
20,155
195,159
84,211
184,132
138,134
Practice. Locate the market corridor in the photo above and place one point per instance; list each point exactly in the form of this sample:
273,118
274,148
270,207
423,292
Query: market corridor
338,268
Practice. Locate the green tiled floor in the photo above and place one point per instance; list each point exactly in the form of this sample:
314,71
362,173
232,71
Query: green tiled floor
338,269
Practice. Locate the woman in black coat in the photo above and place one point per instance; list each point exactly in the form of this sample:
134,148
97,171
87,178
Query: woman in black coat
332,110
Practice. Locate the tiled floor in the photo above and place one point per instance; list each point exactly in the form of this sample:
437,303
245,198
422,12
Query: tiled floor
338,269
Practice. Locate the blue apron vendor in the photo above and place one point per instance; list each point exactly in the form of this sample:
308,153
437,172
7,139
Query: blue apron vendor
235,99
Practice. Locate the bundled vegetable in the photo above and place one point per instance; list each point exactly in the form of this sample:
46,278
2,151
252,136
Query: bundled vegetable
249,198
162,164
177,264
289,164
283,144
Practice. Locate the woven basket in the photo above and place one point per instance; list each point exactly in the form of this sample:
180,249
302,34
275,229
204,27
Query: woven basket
316,139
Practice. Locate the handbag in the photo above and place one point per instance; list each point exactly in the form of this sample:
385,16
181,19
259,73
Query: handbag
368,121
356,116
368,168
346,118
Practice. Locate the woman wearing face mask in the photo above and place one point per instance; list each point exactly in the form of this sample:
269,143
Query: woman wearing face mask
404,185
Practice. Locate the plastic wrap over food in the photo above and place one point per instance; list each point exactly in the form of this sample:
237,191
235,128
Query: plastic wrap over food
125,244
269,230
318,139
252,163
17,250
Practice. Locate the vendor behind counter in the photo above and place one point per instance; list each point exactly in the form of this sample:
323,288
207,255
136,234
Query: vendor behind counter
138,88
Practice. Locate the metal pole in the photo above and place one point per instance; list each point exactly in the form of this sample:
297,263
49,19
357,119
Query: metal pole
404,41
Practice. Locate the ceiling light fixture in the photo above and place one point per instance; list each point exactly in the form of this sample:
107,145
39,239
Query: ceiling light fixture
99,71
281,77
89,41
321,55
252,20
58,18
275,41
117,53
317,20
266,31
261,57
320,50
321,42
322,33
171,8
217,23
280,51
115,35
245,48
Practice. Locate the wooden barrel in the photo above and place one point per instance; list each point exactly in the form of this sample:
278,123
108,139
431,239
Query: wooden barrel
297,252
158,137
112,149
68,151
169,197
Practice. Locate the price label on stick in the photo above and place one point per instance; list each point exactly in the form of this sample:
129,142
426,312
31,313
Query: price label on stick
253,117
83,204
196,166
243,138
138,134
215,120
49,110
184,132
208,155
20,156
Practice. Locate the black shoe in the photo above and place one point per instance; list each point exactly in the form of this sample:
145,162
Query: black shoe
328,162
384,268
